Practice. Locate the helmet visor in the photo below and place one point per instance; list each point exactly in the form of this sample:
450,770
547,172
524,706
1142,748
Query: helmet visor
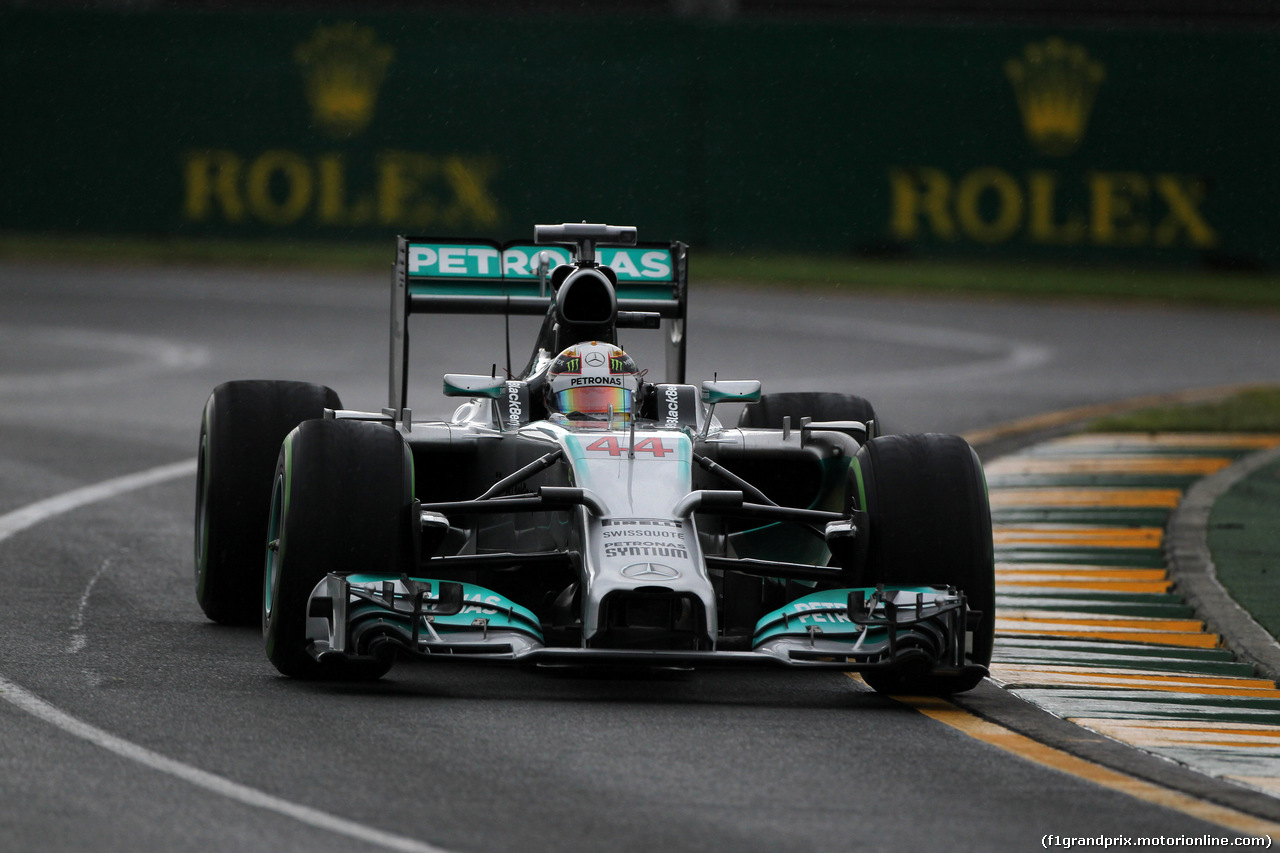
594,400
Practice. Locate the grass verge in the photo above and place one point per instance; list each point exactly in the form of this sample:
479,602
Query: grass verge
1246,551
1255,410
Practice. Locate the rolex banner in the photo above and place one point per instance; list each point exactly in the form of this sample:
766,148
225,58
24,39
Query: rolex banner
1139,145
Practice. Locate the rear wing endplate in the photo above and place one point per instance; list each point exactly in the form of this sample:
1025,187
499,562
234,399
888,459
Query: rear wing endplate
451,276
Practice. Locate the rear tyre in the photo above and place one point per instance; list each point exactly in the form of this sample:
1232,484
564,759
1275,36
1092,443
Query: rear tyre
817,405
342,502
930,524
240,434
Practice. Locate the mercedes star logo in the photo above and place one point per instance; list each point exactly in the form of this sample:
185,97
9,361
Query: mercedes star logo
650,572
594,359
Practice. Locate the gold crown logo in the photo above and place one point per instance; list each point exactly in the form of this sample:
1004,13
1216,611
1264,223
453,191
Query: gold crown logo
343,66
1055,83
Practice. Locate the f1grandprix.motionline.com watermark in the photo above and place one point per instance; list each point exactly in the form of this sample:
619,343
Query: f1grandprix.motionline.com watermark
1108,841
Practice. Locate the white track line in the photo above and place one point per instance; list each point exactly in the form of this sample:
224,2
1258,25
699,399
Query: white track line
37,707
78,638
990,354
32,514
151,356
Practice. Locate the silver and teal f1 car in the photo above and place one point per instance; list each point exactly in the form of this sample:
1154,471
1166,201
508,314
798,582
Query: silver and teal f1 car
797,538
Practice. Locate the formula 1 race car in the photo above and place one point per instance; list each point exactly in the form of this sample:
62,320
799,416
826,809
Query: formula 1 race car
576,514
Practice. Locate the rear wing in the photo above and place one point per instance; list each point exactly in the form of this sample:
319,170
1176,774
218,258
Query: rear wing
460,276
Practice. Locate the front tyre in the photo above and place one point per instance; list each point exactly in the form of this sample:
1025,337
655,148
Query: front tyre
240,434
926,496
342,502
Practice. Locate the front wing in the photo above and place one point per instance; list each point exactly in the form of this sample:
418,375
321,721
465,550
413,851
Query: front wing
916,629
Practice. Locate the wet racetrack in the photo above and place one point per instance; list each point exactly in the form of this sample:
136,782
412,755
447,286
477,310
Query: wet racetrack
103,373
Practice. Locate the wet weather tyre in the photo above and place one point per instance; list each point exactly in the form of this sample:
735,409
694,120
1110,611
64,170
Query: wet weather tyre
243,424
816,405
930,521
342,502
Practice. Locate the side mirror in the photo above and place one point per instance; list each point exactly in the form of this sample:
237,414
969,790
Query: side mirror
469,385
512,404
739,391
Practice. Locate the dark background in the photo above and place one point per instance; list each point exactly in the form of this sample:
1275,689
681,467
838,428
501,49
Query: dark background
735,126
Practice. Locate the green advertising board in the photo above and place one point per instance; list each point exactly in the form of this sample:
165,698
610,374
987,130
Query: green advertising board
1132,145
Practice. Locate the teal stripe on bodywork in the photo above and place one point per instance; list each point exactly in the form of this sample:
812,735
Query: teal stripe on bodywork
478,288
577,456
513,287
502,613
827,610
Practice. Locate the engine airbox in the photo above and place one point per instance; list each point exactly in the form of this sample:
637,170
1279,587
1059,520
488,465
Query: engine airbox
586,307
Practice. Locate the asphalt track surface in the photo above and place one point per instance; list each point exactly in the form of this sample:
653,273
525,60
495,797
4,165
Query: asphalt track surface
132,723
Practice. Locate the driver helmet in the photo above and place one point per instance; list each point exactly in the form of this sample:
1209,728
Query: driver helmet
588,380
